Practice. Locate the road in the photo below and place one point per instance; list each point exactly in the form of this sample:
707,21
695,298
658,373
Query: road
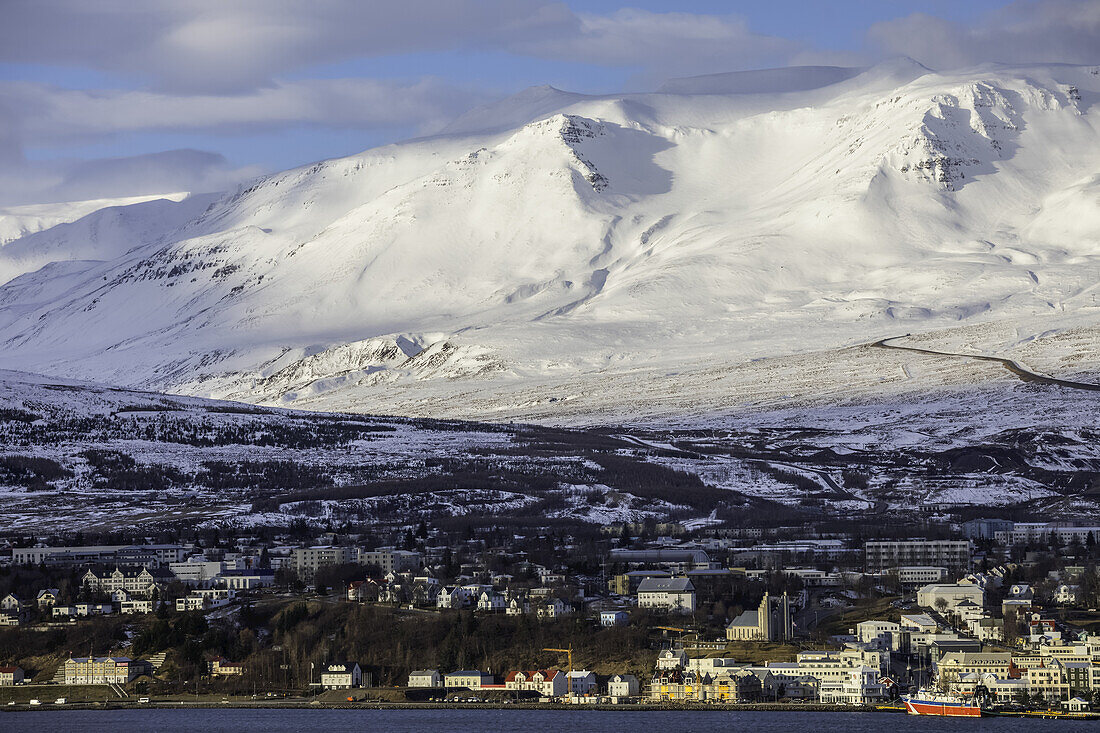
1019,371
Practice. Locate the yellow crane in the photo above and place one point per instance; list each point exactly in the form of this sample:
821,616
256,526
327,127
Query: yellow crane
568,680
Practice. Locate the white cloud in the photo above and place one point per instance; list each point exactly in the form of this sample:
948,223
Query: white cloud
43,115
1053,31
77,180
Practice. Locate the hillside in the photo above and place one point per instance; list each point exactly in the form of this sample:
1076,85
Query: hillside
716,245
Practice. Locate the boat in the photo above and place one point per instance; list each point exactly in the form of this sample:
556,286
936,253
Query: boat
930,702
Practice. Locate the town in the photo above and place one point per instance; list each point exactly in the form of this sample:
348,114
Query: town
658,614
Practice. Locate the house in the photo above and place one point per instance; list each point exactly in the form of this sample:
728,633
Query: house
11,603
7,618
136,605
581,681
672,659
341,676
456,597
1066,593
10,676
361,591
1073,705
93,609
64,611
546,682
223,667
771,621
47,597
517,606
470,679
676,595
553,608
614,618
425,678
623,685
100,670
492,602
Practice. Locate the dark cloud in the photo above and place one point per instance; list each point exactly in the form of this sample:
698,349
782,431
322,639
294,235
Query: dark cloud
219,46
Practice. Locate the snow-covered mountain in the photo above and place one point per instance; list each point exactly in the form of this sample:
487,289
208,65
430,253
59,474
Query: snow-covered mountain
711,245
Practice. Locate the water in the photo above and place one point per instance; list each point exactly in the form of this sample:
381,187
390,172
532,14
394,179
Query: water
490,721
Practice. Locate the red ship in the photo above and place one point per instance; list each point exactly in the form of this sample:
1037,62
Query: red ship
926,702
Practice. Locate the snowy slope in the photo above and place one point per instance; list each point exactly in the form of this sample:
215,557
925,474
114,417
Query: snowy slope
587,250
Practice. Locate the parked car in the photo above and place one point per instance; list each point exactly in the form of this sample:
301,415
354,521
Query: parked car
59,701
36,701
142,700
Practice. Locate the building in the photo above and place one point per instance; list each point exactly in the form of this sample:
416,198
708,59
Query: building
245,579
10,676
11,603
920,623
946,596
135,605
223,667
47,598
100,670
307,560
469,678
623,685
676,595
614,618
916,575
771,621
985,529
1048,533
856,686
425,678
546,682
198,571
882,555
581,681
1066,593
341,676
390,561
7,618
144,581
954,665
881,634
674,559
122,555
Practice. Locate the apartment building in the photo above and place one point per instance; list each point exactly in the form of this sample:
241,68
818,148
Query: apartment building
883,555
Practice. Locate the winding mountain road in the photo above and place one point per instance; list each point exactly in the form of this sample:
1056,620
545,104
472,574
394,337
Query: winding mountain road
1019,371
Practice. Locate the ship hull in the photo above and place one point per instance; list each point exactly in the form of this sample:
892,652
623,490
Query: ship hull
942,709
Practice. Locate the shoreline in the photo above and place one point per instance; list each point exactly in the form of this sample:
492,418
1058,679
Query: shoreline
375,705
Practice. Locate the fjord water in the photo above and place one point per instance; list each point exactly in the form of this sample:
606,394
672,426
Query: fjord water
414,721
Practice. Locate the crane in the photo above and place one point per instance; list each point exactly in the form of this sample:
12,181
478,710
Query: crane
568,679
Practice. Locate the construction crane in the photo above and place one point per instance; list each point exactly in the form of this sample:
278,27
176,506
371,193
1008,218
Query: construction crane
568,679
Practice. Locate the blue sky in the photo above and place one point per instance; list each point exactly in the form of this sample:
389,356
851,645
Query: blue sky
248,86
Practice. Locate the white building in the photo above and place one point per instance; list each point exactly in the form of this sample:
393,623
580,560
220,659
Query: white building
469,678
546,682
676,595
951,595
425,678
623,685
341,676
581,681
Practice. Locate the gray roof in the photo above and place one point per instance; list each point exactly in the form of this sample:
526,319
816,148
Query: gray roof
665,585
747,618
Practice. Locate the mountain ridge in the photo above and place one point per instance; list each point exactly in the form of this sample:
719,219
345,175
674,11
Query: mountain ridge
627,234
